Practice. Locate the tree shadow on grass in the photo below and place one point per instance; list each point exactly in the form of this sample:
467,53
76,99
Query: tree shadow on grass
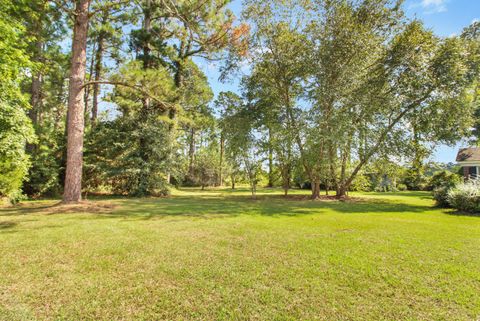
231,206
461,213
218,206
7,225
56,207
423,195
25,208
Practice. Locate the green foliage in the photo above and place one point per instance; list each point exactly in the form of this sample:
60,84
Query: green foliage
465,196
440,195
414,180
336,93
361,183
15,132
15,127
441,183
443,179
206,168
241,145
113,158
402,187
46,170
132,153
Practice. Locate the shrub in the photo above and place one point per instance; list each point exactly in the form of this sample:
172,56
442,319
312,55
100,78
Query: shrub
465,196
443,179
401,187
440,195
361,183
440,183
414,180
15,131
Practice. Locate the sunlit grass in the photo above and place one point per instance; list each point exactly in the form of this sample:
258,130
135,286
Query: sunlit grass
218,254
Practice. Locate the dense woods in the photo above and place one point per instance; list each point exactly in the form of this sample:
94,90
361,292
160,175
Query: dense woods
109,96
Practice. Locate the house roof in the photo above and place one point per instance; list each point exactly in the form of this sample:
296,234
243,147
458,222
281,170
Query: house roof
468,154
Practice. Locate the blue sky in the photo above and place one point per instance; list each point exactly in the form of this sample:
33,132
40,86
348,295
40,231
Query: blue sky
444,17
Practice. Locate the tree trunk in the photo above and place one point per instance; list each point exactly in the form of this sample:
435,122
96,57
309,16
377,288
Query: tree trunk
143,188
316,190
270,159
36,89
222,151
73,176
383,136
191,153
286,184
332,161
35,99
286,179
342,188
341,191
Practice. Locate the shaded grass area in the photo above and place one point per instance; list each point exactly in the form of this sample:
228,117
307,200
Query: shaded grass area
218,254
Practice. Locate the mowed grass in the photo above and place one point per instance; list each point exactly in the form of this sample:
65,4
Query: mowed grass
218,255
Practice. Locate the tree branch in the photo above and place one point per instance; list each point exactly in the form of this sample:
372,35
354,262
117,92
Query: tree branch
165,106
383,136
61,4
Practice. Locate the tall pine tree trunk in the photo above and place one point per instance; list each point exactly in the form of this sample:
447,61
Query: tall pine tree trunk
73,176
143,188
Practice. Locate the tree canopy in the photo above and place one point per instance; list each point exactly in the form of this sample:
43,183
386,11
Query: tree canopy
331,94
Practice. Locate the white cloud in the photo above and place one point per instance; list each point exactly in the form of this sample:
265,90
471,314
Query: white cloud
434,6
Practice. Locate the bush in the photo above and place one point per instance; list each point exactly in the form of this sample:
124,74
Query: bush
465,196
440,195
441,183
361,183
414,180
443,179
401,187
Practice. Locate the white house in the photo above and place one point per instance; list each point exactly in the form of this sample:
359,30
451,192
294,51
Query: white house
469,160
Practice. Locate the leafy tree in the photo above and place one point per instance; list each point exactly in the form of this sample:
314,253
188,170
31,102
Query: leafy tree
206,167
15,127
228,105
471,39
46,88
137,160
275,86
371,89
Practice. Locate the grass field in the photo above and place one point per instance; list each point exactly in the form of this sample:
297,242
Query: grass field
217,254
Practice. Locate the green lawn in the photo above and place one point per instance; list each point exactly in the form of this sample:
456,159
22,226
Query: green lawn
215,255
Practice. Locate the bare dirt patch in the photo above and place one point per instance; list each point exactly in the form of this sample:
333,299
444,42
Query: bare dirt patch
83,207
61,208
